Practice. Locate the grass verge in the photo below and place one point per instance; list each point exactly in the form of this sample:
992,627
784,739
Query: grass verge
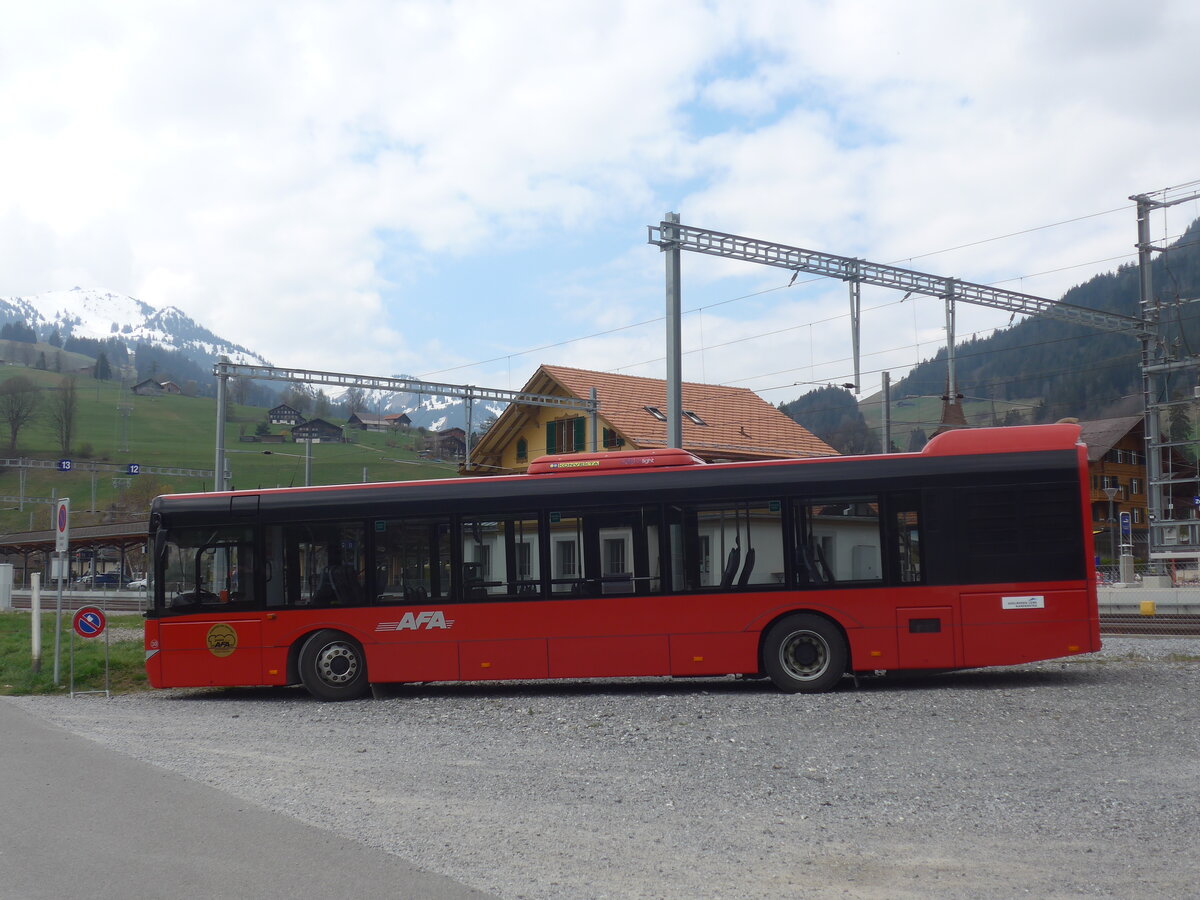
127,671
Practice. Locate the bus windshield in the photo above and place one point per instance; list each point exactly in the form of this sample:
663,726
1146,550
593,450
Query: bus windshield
212,565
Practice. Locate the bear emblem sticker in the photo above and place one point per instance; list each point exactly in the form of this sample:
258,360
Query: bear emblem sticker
222,640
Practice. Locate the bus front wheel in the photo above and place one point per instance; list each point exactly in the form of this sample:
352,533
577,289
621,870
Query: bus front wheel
333,667
804,653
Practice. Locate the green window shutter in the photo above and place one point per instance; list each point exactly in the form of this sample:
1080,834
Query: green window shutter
551,445
580,434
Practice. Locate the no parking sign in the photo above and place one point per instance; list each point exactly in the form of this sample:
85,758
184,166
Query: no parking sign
89,622
62,524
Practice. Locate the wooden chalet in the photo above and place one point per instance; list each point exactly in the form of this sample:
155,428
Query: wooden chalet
148,388
285,415
449,443
317,431
364,421
719,423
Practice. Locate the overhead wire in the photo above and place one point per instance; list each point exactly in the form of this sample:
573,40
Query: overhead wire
792,283
811,364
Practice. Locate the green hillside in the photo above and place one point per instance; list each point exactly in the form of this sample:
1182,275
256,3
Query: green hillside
911,412
1038,370
172,431
54,359
1077,370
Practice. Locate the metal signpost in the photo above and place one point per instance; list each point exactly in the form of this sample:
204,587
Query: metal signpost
89,622
62,525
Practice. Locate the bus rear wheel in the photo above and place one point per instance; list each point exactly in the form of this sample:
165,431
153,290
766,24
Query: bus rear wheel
333,667
804,653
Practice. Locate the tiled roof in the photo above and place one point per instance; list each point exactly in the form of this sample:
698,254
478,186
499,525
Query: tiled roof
367,418
1102,435
738,424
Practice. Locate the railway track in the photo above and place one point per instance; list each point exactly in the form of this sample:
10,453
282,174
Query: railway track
1132,623
112,602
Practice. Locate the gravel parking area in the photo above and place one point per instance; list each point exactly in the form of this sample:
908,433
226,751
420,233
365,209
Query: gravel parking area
1062,779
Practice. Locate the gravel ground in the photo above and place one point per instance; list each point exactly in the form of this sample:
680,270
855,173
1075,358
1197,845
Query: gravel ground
1060,779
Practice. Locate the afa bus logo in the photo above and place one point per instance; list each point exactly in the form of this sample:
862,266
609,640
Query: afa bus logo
428,621
221,640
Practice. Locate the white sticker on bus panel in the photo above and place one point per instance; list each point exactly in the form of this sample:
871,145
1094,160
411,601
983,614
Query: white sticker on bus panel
1033,602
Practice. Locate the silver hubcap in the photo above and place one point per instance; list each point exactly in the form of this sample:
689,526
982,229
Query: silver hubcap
337,663
804,655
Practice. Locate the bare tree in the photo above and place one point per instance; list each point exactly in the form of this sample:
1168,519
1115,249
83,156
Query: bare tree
299,397
239,389
19,401
355,399
322,406
63,407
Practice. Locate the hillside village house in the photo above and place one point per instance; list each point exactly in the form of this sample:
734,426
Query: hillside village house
719,423
318,431
1117,459
449,443
151,388
285,415
364,421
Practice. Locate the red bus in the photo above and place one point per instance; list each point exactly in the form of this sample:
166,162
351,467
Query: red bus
976,551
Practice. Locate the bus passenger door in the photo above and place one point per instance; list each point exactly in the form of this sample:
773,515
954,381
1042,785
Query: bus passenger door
926,638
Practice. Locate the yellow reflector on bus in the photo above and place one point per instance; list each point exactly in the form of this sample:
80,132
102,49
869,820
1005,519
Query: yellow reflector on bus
485,665
697,659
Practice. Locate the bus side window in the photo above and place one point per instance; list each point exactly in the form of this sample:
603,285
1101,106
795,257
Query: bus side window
837,539
730,545
601,553
501,559
325,564
275,566
412,560
908,539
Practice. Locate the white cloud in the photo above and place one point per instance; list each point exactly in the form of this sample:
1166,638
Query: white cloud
302,177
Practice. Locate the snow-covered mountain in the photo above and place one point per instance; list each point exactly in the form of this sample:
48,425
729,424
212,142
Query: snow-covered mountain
101,315
434,413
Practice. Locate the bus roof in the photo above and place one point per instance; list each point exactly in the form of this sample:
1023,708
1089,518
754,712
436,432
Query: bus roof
961,442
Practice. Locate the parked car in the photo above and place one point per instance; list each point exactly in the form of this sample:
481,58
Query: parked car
101,579
138,584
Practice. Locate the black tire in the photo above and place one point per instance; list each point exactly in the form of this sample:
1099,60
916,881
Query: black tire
333,666
804,653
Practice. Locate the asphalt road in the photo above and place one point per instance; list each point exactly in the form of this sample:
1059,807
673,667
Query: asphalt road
83,821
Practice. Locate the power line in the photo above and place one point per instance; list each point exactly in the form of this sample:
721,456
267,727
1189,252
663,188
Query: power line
1036,228
793,283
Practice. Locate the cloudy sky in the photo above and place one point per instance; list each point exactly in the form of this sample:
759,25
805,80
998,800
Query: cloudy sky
460,190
